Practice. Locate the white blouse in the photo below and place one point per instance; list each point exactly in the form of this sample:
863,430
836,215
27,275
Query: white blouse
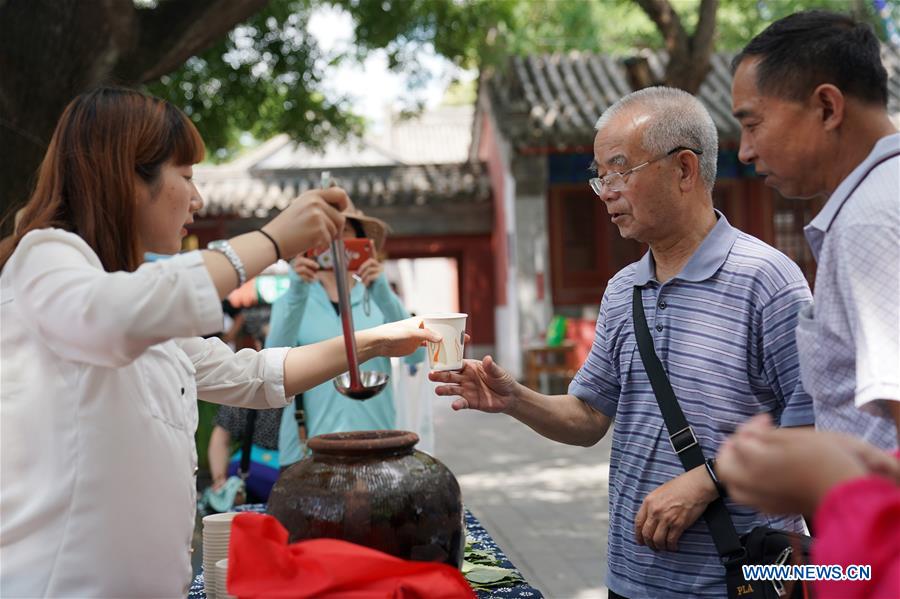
99,379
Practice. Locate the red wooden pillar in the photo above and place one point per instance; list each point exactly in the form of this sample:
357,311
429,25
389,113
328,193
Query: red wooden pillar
759,204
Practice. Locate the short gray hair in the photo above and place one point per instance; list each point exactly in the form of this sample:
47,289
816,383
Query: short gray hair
677,118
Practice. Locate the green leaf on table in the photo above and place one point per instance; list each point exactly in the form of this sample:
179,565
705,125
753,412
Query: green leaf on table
480,574
479,556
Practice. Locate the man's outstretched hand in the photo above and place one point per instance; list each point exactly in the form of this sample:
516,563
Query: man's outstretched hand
480,385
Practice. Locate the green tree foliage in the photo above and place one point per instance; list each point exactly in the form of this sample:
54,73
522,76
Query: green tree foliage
739,20
234,65
620,26
462,30
267,75
610,26
263,78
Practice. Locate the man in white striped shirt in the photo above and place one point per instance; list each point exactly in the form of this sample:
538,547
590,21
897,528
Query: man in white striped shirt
722,308
811,95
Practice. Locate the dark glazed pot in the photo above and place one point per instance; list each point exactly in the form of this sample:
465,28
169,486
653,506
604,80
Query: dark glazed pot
372,488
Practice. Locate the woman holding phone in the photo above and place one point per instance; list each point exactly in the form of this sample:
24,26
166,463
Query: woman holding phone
103,360
308,312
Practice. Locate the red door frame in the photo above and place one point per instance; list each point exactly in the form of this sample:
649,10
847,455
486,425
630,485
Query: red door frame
475,268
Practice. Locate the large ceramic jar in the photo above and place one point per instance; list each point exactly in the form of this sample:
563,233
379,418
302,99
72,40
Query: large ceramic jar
372,488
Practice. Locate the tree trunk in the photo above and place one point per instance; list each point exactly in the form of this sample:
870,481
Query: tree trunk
51,50
689,56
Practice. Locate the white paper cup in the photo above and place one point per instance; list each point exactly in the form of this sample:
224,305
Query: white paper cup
219,521
222,579
448,354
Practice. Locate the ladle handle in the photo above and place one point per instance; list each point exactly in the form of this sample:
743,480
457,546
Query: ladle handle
340,274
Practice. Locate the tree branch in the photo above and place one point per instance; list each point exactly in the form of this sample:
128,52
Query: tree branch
704,36
667,21
176,30
688,55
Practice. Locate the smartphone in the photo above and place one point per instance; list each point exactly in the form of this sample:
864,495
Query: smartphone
358,251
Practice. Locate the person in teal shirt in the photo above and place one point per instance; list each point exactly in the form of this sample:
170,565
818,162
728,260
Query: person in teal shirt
308,313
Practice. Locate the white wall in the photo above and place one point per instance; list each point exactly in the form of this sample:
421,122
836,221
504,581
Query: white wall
426,285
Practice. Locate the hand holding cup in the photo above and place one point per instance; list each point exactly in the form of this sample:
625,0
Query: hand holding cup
448,354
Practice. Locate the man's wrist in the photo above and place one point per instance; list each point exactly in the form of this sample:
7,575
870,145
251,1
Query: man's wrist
710,467
515,401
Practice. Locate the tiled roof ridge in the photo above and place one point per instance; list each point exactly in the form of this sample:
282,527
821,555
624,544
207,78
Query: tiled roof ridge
259,194
553,99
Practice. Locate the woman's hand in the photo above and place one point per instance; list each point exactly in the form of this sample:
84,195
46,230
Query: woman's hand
312,220
305,268
370,270
306,366
394,339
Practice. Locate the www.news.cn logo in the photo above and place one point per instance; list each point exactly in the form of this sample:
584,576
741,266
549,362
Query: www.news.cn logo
807,572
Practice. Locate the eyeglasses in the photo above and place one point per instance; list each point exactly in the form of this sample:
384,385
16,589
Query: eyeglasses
616,181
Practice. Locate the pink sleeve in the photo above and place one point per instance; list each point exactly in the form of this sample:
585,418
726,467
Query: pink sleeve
858,523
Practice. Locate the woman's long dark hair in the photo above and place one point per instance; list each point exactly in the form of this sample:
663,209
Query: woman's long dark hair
86,182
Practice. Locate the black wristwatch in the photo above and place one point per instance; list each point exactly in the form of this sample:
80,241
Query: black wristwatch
711,469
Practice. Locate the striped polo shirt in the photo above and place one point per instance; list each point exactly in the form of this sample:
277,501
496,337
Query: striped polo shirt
723,328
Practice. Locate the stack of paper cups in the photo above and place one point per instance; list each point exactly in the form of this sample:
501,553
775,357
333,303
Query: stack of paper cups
216,534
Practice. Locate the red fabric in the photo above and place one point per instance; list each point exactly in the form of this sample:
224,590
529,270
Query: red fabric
858,523
581,332
262,564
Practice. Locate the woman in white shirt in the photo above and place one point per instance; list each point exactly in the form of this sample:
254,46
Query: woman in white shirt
102,359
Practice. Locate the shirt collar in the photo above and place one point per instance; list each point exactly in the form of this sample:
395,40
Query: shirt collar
705,261
816,229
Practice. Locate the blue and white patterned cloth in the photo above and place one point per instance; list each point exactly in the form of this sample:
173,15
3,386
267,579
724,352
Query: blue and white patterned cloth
723,329
480,540
850,340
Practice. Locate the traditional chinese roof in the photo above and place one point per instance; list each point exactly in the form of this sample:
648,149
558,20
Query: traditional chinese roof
555,99
408,167
371,188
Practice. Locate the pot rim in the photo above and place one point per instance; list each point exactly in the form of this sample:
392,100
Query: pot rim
361,442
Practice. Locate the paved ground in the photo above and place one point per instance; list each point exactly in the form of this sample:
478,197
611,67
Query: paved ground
543,502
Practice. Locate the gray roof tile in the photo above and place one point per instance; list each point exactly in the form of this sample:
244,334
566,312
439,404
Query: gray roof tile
555,99
415,162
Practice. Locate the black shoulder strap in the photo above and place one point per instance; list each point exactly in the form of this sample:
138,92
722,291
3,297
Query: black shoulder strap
247,446
681,435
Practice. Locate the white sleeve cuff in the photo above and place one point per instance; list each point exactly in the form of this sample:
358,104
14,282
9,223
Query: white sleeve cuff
273,374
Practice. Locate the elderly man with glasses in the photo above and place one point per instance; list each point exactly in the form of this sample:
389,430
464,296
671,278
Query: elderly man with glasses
721,307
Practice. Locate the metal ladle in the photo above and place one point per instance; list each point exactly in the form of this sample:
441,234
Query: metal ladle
353,383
